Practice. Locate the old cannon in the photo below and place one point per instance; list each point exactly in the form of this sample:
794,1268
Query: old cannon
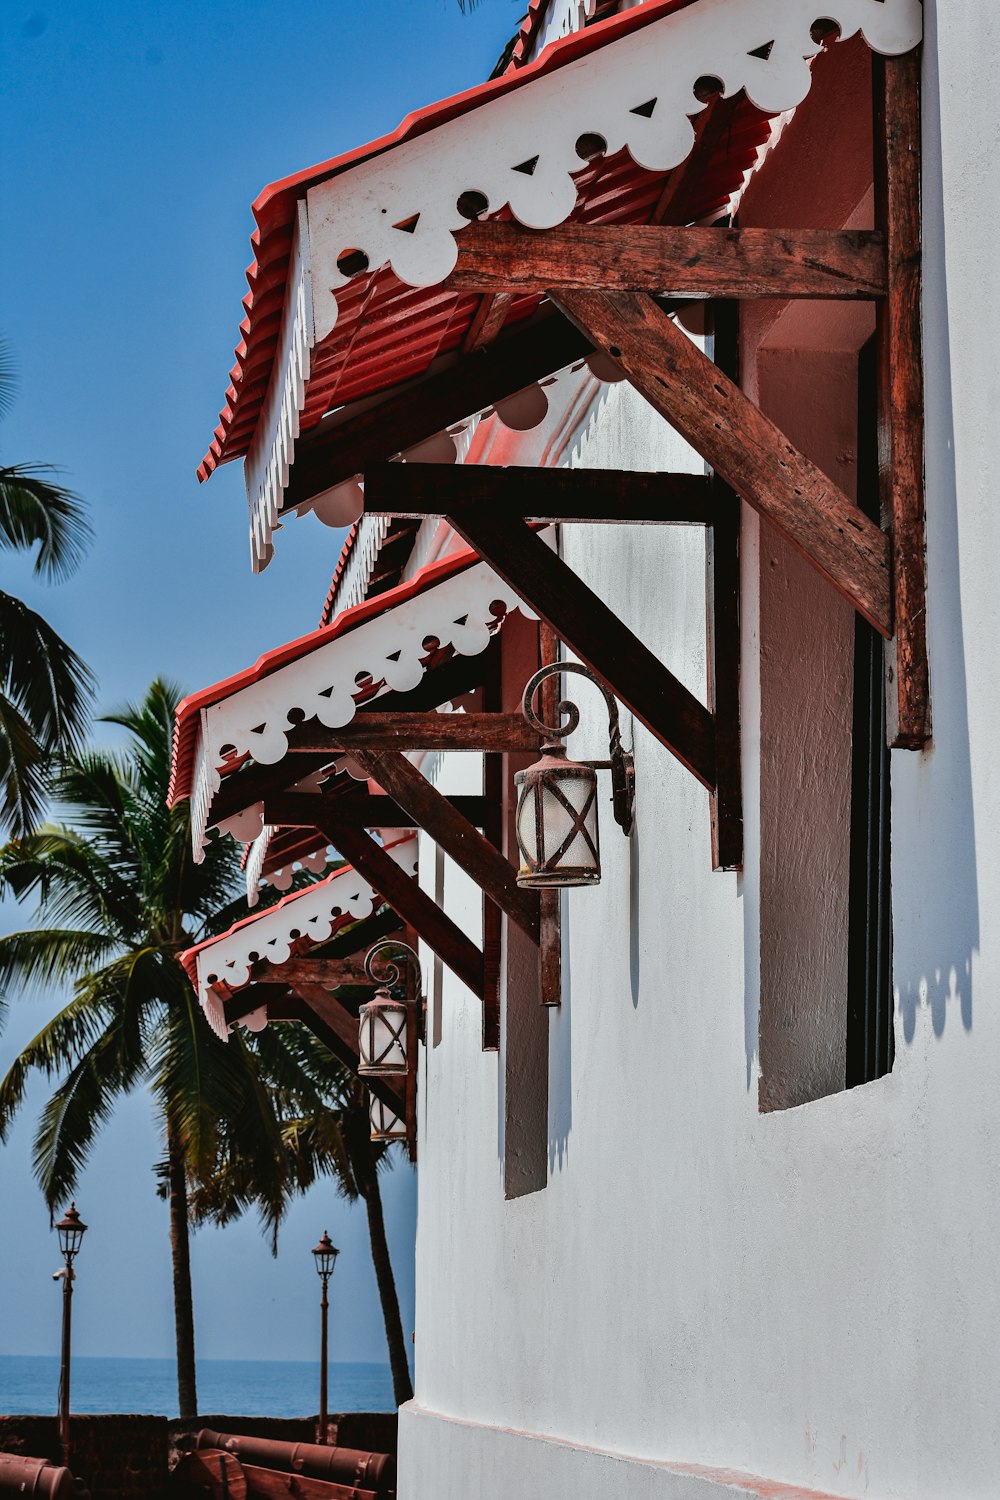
272,1470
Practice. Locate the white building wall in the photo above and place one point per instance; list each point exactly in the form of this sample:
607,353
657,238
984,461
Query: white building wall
808,1295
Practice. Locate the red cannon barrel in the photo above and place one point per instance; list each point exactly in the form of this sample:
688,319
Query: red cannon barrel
347,1466
34,1478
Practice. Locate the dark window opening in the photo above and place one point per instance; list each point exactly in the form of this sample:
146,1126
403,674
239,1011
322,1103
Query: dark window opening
870,1003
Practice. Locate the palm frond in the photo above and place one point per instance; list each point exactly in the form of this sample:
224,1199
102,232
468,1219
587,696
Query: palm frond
61,1042
45,678
33,508
24,770
8,377
76,1111
50,955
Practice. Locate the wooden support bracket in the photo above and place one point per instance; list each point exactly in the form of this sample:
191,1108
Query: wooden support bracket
405,896
597,636
600,496
455,834
743,445
676,260
358,808
900,393
722,579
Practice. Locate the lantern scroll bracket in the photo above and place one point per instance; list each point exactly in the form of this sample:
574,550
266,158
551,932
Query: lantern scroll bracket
621,762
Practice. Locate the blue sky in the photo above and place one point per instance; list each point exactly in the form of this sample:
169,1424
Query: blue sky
134,139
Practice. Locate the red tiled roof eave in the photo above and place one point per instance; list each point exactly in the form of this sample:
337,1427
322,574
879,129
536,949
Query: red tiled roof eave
188,715
189,958
274,214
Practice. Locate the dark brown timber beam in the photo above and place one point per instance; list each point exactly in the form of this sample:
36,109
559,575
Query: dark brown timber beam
404,895
596,635
722,579
595,495
900,385
454,834
675,260
331,973
744,446
359,809
432,731
418,411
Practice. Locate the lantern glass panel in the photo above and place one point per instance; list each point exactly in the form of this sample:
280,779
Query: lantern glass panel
71,1231
558,822
386,1125
382,1036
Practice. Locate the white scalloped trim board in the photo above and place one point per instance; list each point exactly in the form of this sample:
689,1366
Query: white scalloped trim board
401,208
272,451
462,612
271,936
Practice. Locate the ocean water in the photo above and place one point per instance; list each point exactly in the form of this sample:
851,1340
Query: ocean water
231,1387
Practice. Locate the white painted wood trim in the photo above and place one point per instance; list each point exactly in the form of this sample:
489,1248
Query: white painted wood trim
463,612
272,935
482,150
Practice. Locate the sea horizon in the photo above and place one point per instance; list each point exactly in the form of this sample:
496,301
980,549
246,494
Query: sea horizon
147,1385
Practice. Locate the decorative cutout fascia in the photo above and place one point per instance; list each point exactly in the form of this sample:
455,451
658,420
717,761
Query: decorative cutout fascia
272,451
462,612
519,150
636,93
271,936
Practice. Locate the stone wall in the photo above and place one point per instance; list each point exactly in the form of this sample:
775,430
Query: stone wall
117,1457
129,1457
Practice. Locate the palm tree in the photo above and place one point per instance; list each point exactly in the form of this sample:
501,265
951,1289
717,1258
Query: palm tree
120,871
321,1141
45,689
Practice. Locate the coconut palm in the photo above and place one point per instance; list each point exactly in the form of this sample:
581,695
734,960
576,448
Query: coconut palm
119,872
45,689
333,1141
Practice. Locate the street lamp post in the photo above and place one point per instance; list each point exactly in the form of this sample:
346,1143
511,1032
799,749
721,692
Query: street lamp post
71,1231
326,1258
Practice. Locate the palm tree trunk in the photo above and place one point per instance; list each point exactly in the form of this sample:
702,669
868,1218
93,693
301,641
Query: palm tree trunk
401,1385
180,1252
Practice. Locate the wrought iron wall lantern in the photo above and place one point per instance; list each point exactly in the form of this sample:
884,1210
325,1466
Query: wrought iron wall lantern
556,821
389,1028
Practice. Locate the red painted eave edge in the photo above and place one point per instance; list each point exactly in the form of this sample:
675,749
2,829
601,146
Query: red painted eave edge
187,716
190,955
273,209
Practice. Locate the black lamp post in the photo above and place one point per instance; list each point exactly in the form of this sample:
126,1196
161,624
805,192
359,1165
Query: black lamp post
71,1231
326,1258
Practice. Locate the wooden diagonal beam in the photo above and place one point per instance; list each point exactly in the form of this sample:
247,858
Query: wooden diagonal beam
610,496
420,410
358,809
597,636
900,393
455,834
678,261
404,895
742,445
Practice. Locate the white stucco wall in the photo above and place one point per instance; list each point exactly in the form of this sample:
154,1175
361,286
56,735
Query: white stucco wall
808,1295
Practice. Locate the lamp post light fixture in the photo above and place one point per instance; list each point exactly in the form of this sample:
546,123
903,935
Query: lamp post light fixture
325,1254
388,1032
71,1230
556,820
